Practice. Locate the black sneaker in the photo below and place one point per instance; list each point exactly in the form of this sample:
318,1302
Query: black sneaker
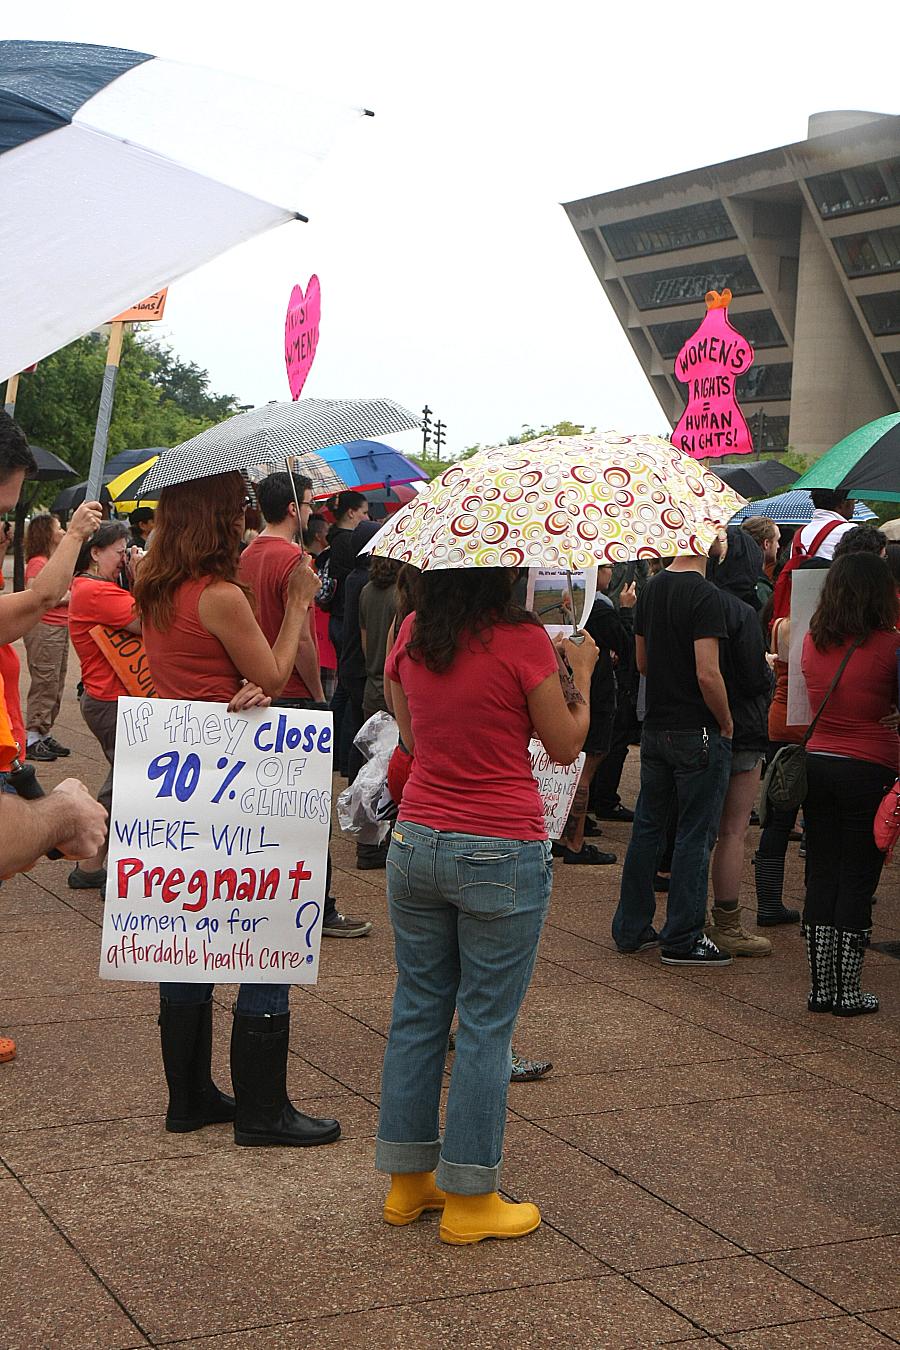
703,953
341,927
588,856
592,828
617,812
59,750
40,751
649,938
87,881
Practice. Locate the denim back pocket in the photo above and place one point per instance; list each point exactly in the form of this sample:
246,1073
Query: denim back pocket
399,859
486,883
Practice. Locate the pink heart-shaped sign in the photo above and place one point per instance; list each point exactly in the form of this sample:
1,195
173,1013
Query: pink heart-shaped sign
301,333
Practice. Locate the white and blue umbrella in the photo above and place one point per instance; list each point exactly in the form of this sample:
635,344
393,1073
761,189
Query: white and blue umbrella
120,172
792,508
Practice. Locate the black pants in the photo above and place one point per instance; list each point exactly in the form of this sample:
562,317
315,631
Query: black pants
604,794
842,863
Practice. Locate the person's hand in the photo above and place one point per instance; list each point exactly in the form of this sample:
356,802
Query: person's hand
581,656
892,720
86,520
133,556
727,732
305,583
628,596
249,696
89,816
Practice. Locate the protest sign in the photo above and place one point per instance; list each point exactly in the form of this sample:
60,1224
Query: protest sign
806,587
218,843
126,654
709,363
301,333
557,784
145,311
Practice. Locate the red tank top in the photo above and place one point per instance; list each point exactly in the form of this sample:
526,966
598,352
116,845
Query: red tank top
187,661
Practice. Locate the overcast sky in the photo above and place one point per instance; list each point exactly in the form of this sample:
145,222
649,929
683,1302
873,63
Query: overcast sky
449,271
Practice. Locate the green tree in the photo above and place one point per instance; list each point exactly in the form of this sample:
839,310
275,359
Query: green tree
159,400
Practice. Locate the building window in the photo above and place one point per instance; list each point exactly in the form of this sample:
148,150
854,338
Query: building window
759,327
689,283
863,254
865,188
882,312
762,384
893,365
667,230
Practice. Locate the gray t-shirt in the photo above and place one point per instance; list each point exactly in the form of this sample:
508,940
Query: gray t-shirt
377,607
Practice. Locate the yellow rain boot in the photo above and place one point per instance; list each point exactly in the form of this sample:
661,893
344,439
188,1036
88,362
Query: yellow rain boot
410,1194
470,1218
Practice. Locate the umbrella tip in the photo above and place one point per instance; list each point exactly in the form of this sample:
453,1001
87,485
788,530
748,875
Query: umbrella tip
367,112
304,220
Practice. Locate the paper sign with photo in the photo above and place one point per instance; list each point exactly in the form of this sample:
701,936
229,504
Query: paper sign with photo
548,595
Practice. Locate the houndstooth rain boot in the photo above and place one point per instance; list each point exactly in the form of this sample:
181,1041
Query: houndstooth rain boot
820,955
849,949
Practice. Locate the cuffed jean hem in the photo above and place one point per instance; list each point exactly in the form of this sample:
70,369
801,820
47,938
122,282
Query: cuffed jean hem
392,1157
467,1178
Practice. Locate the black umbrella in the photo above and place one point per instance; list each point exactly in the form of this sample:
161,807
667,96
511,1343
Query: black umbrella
759,478
73,496
49,468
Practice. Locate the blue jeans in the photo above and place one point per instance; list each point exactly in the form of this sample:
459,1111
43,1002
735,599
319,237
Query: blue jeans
254,1000
467,913
695,771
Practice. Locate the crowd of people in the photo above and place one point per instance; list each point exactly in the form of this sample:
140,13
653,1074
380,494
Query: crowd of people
690,657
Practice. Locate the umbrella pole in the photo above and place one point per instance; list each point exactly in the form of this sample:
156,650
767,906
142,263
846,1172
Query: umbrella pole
290,474
104,416
9,407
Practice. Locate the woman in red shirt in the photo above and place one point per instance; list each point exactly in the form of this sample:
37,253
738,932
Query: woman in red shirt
46,644
97,598
469,877
202,642
851,763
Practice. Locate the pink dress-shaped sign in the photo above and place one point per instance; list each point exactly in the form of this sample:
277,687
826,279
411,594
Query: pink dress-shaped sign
709,363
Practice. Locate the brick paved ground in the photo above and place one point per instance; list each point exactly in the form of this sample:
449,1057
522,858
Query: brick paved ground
713,1164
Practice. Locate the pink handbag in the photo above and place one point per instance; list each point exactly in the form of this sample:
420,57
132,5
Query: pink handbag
887,821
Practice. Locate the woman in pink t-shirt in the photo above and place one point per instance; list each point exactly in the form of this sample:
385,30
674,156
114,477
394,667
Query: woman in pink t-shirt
46,645
471,678
851,763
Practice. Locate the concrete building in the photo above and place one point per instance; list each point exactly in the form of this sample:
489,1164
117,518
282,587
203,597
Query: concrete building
807,237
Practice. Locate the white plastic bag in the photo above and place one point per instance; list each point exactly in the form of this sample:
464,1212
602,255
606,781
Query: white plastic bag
358,804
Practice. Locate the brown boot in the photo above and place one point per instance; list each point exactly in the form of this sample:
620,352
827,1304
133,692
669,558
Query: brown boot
726,932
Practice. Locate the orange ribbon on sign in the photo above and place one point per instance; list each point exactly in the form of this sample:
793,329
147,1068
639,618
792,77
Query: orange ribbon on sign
126,654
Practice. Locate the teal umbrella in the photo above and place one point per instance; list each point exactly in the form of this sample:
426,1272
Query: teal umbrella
864,464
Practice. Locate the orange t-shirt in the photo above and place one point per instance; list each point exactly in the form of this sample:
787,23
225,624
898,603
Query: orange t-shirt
96,601
58,616
187,660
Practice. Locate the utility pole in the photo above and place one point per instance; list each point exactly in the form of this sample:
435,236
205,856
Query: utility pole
440,436
760,432
426,429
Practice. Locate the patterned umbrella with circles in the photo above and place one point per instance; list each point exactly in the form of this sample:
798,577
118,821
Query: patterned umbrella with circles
267,438
563,503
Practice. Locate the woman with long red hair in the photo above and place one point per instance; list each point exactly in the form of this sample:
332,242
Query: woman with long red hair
202,641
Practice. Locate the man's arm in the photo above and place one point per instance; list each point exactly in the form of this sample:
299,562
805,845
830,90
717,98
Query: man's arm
306,662
20,612
712,686
68,819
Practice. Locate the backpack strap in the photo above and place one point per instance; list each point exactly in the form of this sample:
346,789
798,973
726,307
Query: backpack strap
797,549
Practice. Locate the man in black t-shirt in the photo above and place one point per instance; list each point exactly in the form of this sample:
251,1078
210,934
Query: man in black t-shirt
686,753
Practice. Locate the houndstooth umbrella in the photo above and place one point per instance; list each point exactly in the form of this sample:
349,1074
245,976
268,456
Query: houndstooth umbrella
277,433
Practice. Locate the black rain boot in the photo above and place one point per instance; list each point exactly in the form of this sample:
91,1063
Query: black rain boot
185,1033
820,954
770,909
849,949
259,1052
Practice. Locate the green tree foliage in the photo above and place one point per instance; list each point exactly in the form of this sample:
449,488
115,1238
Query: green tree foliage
159,400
